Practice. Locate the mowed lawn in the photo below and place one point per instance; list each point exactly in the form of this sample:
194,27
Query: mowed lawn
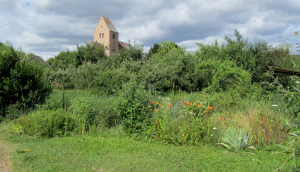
91,153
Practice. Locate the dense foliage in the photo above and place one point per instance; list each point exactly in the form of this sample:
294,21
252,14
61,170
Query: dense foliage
20,79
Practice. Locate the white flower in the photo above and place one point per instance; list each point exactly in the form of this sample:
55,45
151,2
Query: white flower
297,82
214,128
211,135
274,105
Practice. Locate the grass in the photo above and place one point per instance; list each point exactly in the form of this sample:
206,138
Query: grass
87,153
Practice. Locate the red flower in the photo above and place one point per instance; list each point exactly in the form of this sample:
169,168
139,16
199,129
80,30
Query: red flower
261,115
263,120
211,108
206,112
221,116
185,103
153,102
233,115
226,118
223,122
226,113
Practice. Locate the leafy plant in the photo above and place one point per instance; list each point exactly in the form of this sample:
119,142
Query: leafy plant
134,106
85,114
20,78
234,139
293,148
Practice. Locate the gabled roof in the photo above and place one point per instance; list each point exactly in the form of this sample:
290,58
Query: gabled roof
109,24
124,45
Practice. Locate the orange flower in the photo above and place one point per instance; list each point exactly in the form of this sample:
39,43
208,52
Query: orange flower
211,108
226,118
185,103
261,115
190,103
233,115
183,135
221,116
153,102
170,105
263,120
198,105
206,112
223,122
226,113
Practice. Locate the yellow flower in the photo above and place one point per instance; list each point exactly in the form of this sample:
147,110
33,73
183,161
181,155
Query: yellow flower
24,150
28,150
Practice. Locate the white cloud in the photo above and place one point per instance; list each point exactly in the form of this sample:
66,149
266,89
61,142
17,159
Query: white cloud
46,27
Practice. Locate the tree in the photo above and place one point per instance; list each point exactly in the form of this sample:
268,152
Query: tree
63,60
153,50
19,78
297,34
89,53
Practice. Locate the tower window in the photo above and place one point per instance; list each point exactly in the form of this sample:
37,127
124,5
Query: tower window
99,35
102,35
113,36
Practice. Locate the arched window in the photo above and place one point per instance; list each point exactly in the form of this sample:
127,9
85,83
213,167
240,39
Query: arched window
99,35
102,35
113,36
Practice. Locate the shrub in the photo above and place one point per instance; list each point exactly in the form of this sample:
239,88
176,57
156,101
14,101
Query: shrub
134,106
174,70
84,113
20,79
222,76
45,123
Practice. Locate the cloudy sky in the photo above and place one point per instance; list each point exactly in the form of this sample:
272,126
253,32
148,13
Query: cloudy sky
46,27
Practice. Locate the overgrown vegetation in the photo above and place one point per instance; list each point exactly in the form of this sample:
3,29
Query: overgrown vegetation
221,95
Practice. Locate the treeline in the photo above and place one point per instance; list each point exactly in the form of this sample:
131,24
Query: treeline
167,66
233,65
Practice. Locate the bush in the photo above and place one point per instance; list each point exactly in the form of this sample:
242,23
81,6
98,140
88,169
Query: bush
174,70
20,78
45,123
134,106
222,76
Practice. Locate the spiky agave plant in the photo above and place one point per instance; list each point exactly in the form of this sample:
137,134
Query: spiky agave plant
234,139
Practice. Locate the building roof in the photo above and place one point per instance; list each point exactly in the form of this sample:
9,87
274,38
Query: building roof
109,24
124,45
36,58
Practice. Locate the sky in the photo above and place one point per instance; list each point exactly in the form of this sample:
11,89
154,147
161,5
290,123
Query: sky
47,27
